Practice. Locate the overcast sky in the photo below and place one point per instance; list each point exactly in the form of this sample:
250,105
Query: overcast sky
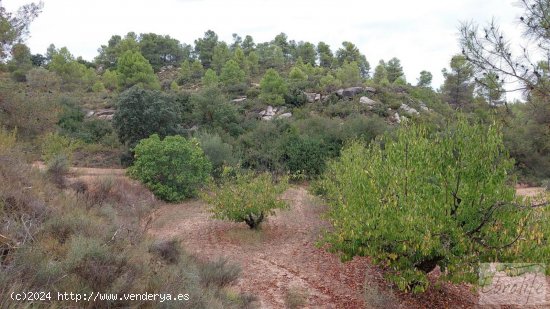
421,33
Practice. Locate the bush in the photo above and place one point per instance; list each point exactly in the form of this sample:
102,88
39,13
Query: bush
421,200
168,250
173,168
219,273
219,153
141,113
246,197
55,146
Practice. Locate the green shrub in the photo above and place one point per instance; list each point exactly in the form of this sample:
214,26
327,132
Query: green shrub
55,145
173,168
141,113
420,200
246,197
218,152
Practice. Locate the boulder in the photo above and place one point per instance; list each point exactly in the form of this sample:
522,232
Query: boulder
369,102
395,118
409,110
353,91
370,89
285,115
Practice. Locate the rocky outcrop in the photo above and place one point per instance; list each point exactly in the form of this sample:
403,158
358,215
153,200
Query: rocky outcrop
104,114
271,113
349,92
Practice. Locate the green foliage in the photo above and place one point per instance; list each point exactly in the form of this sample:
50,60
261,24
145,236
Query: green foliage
246,197
212,110
329,83
111,80
55,145
425,79
326,58
161,50
142,112
173,168
134,69
204,48
220,56
219,153
232,76
381,74
349,53
420,200
273,88
394,69
297,78
210,79
458,88
14,27
305,155
349,74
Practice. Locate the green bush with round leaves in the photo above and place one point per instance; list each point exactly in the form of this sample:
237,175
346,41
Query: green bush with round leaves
173,168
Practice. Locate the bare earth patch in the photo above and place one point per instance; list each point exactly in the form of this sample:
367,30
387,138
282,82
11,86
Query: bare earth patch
279,257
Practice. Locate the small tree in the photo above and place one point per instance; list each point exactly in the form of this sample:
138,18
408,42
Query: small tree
422,200
173,168
273,88
246,197
134,69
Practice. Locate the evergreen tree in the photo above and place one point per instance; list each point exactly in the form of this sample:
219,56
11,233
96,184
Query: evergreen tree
134,69
458,88
394,70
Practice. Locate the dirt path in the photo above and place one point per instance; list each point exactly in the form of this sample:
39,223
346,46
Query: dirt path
280,257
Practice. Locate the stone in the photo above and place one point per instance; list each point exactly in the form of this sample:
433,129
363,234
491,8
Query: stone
312,96
370,89
105,114
409,110
424,107
285,115
368,101
395,118
89,114
239,100
349,92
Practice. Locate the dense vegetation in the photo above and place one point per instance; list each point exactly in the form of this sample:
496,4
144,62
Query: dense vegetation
414,176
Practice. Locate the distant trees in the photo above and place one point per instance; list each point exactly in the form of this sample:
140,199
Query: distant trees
350,53
380,76
326,58
162,50
425,79
458,87
307,52
204,48
394,70
233,77
14,27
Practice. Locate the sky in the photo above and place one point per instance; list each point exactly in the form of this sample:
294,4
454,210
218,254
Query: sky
423,34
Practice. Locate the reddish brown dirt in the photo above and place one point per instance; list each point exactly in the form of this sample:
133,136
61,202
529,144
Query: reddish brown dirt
280,256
